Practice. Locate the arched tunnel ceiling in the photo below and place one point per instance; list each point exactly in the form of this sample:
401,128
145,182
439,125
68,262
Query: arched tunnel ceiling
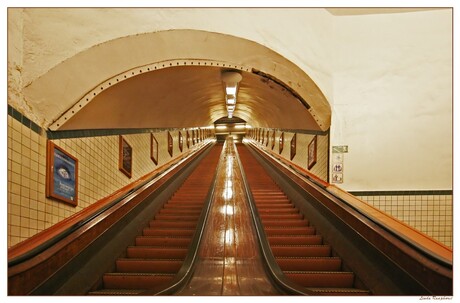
152,81
190,96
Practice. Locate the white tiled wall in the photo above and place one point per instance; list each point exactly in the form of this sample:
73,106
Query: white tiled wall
29,211
428,213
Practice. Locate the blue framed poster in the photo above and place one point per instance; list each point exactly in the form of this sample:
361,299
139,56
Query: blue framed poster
62,175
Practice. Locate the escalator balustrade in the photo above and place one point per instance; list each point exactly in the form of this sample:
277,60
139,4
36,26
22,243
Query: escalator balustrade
298,249
157,255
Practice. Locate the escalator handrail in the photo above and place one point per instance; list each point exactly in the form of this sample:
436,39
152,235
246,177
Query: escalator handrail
186,270
333,190
275,271
40,248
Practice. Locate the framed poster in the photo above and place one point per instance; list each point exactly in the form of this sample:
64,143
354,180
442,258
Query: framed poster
268,137
170,144
273,139
181,142
312,152
293,146
125,157
61,175
281,142
187,138
154,149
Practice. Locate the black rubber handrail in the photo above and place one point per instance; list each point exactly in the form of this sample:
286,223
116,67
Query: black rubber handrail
54,240
273,268
427,253
185,272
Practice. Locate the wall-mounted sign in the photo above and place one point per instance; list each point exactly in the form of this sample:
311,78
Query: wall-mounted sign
61,175
337,178
154,149
340,149
337,166
170,144
281,142
125,157
181,142
268,137
312,152
293,146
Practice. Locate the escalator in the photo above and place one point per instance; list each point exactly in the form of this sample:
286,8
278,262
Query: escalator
299,250
319,240
313,243
152,263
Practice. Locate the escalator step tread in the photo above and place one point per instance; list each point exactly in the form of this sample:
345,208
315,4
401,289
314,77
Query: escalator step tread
136,274
309,263
116,292
136,280
338,291
338,279
147,266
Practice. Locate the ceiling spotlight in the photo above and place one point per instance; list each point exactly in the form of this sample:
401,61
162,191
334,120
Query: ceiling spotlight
231,80
230,89
231,100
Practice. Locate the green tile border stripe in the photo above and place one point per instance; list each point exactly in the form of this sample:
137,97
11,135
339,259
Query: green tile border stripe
402,193
69,134
24,120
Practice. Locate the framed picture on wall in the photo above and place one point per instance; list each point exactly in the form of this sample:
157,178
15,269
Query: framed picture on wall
268,137
170,144
187,138
61,175
281,142
293,146
125,157
154,149
181,142
273,139
312,146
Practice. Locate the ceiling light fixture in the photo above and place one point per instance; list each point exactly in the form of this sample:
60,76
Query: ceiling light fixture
230,89
231,100
231,80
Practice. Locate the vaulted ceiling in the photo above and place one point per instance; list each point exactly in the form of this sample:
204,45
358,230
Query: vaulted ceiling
153,81
185,96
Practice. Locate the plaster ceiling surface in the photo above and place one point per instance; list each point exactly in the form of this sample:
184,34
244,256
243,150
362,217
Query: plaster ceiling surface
351,11
190,96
